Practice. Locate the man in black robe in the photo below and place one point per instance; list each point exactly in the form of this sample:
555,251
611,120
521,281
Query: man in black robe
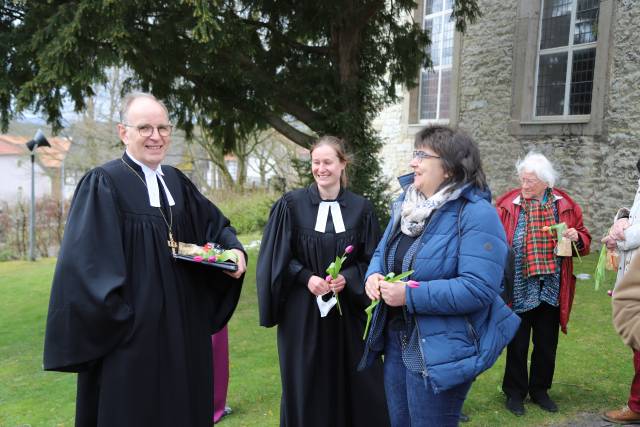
134,322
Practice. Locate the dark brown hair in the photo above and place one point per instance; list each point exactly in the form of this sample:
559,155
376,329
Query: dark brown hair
459,155
339,147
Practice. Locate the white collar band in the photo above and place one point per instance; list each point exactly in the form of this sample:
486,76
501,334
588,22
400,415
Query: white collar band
323,214
152,183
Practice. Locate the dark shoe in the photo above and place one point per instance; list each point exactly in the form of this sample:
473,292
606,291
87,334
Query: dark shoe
544,401
515,405
622,416
463,418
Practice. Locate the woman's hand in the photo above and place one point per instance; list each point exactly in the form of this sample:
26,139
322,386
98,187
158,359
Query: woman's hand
394,294
617,231
337,284
610,243
372,286
318,286
571,234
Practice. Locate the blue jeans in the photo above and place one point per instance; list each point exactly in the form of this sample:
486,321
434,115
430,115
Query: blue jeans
410,397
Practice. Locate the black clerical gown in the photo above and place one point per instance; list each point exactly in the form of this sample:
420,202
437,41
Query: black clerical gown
318,356
132,321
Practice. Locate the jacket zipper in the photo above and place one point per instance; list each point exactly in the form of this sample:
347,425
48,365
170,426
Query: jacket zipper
426,371
474,334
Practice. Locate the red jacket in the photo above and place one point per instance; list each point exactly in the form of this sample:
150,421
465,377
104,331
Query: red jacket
569,213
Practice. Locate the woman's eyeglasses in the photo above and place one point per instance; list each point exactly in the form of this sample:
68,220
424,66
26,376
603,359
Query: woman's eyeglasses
419,154
527,181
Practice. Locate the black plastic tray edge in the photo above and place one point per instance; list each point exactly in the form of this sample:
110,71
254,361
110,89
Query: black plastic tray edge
224,265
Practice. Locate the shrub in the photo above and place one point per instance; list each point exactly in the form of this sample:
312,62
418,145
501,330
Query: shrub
248,211
14,228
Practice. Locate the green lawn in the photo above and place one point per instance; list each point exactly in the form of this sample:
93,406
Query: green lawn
593,370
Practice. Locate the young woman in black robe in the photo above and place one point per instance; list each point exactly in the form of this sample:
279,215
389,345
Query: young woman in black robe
307,229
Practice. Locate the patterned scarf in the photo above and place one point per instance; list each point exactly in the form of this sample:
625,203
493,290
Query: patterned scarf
416,208
539,245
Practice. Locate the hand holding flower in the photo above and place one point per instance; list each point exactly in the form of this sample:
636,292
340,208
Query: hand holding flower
617,230
610,242
333,275
571,234
394,294
372,287
317,286
337,285
562,233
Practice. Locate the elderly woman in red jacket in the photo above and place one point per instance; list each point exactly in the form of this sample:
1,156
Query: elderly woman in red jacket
544,284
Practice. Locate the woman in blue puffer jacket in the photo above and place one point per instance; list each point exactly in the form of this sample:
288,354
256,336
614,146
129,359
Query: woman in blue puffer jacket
438,334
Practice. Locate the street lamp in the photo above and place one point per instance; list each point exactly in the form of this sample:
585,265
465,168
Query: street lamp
38,141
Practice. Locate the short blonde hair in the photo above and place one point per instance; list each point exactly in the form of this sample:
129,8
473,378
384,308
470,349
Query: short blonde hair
540,165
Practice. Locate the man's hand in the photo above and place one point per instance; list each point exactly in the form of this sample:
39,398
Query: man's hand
337,284
372,286
318,286
241,263
394,294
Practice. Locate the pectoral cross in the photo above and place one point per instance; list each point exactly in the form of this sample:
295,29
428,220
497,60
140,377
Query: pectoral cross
172,243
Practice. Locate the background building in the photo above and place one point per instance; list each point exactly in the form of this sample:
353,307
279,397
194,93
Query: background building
557,76
15,169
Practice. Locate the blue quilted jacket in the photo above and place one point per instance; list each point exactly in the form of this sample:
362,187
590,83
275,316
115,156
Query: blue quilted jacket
463,324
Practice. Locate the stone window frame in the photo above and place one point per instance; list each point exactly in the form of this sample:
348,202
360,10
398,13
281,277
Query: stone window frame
415,124
525,62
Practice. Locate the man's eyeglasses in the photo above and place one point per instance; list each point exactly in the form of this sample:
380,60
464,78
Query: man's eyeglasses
419,154
147,130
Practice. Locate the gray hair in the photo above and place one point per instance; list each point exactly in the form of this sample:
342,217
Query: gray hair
538,164
132,96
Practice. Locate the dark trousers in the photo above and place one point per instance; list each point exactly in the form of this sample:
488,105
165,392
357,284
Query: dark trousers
541,325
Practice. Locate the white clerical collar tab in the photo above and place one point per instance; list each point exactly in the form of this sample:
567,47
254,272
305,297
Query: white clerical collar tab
323,214
152,183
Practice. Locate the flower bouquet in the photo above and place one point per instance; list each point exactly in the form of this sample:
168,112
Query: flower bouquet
211,254
391,278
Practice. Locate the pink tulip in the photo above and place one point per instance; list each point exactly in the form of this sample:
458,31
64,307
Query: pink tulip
212,258
197,258
348,249
413,284
328,278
